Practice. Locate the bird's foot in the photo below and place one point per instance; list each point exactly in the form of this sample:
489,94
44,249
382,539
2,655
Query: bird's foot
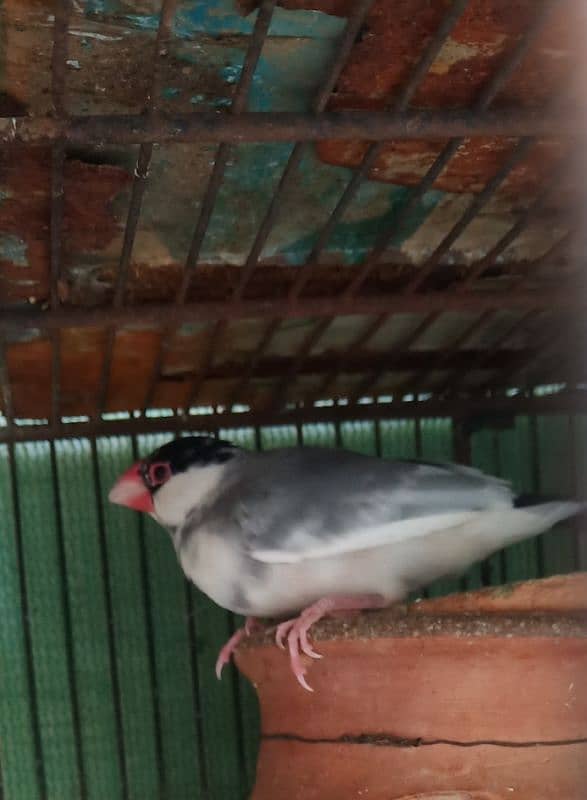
296,630
231,645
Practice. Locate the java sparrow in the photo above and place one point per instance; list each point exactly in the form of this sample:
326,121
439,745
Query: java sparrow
305,532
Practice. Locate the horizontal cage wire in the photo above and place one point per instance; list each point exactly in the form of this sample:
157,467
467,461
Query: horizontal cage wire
459,378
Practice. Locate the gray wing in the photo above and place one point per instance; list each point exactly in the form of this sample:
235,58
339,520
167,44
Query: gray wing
296,504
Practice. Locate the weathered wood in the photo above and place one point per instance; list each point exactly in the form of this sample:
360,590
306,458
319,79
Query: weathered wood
470,697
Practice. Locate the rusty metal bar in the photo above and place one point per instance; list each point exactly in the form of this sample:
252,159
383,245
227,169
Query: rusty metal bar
223,155
478,269
139,186
486,97
5,386
342,360
516,156
287,126
258,353
484,100
399,103
216,336
547,346
456,380
225,151
309,341
564,402
414,387
351,32
551,257
400,347
63,12
156,314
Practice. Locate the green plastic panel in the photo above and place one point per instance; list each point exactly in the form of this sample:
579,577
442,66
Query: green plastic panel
110,652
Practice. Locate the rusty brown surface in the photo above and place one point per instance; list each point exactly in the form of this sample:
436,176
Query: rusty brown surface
111,79
481,39
89,223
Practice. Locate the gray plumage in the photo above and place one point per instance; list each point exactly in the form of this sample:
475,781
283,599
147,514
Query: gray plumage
266,534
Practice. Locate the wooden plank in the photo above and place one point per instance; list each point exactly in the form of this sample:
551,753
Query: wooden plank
429,687
331,771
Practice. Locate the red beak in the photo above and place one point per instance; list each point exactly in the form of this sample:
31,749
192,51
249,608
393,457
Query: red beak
130,491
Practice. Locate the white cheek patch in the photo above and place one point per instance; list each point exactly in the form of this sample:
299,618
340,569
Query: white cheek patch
180,494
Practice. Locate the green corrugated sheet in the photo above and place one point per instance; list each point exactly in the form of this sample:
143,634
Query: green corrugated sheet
107,654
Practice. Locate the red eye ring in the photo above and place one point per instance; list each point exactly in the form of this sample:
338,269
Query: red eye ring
158,473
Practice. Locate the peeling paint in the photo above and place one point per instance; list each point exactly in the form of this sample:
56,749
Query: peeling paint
13,249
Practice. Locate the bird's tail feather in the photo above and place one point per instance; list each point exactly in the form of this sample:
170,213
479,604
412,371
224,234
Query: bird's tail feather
556,511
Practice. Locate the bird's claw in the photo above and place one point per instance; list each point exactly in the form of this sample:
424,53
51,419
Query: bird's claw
231,645
295,631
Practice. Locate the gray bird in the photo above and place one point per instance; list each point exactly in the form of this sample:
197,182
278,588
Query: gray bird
306,532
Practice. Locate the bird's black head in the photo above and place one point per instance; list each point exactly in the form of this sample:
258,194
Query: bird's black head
137,487
180,454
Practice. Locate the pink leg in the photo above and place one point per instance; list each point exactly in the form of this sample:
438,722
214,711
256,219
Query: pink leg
296,630
231,645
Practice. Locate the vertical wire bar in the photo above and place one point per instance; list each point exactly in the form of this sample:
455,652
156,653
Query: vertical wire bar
580,536
147,603
337,429
418,445
5,386
378,441
63,11
197,690
192,629
536,484
68,626
139,186
223,155
104,567
41,777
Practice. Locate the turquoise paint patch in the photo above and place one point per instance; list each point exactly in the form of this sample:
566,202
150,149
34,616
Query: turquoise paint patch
5,194
13,249
170,92
222,17
97,7
352,239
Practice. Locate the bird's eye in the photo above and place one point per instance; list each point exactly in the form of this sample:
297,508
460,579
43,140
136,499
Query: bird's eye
158,473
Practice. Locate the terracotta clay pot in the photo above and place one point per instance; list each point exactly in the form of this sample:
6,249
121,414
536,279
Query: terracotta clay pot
481,696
